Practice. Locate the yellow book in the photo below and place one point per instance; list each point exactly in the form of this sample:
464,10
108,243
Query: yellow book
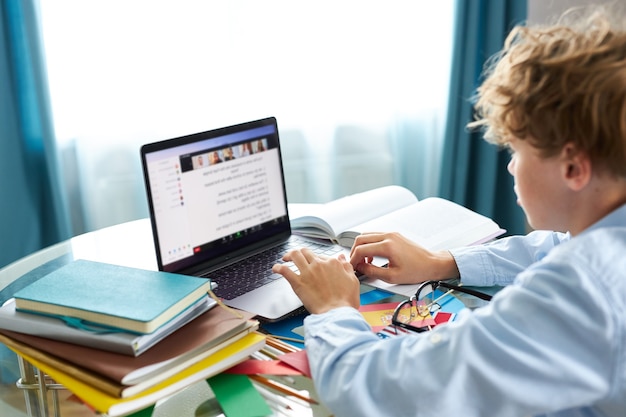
114,406
102,381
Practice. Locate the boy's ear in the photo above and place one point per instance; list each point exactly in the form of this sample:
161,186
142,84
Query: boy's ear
576,167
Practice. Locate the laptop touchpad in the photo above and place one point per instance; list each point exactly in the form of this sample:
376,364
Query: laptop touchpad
270,301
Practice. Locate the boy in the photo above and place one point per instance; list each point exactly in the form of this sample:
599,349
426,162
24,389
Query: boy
554,341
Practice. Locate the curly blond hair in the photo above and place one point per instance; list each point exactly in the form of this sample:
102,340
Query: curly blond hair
558,84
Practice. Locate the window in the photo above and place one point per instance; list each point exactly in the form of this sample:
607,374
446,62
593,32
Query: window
359,89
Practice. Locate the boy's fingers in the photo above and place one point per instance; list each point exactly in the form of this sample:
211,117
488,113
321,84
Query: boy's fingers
285,271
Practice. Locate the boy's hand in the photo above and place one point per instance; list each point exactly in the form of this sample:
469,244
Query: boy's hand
409,263
322,283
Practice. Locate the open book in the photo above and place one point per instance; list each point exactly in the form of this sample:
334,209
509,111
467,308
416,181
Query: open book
434,223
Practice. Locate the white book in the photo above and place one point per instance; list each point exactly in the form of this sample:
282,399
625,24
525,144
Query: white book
435,223
126,343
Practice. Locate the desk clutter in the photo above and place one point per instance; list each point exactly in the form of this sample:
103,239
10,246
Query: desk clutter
122,340
248,365
118,372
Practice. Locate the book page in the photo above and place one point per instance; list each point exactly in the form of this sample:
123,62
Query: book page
434,223
343,214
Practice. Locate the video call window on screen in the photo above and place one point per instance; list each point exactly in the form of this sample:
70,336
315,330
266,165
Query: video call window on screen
227,153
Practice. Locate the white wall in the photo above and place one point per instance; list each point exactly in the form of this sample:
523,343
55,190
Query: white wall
545,11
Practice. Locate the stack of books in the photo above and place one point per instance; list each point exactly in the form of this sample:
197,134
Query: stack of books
121,338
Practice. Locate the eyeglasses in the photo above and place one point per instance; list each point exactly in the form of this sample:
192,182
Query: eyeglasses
425,302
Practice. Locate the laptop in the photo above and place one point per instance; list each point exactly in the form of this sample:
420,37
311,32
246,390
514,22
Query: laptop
218,209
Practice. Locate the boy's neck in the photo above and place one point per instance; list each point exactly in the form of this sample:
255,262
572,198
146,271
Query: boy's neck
602,196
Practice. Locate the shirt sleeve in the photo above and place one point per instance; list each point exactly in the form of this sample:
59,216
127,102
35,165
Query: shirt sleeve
537,347
499,262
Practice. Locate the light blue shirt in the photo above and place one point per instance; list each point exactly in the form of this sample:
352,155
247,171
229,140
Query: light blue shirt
553,342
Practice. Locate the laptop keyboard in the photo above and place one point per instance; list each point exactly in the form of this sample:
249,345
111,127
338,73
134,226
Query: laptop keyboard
256,271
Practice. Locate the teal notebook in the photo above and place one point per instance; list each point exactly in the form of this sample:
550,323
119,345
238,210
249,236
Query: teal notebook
126,298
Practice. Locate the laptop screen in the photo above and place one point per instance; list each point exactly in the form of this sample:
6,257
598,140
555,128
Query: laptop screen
214,194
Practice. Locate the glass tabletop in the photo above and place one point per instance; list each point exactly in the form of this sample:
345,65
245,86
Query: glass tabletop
128,244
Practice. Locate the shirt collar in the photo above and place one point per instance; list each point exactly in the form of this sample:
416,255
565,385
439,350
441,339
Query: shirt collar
617,218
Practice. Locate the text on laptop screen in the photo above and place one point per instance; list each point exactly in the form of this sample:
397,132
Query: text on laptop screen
210,195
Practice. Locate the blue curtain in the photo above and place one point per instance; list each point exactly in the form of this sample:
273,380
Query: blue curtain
474,172
32,211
